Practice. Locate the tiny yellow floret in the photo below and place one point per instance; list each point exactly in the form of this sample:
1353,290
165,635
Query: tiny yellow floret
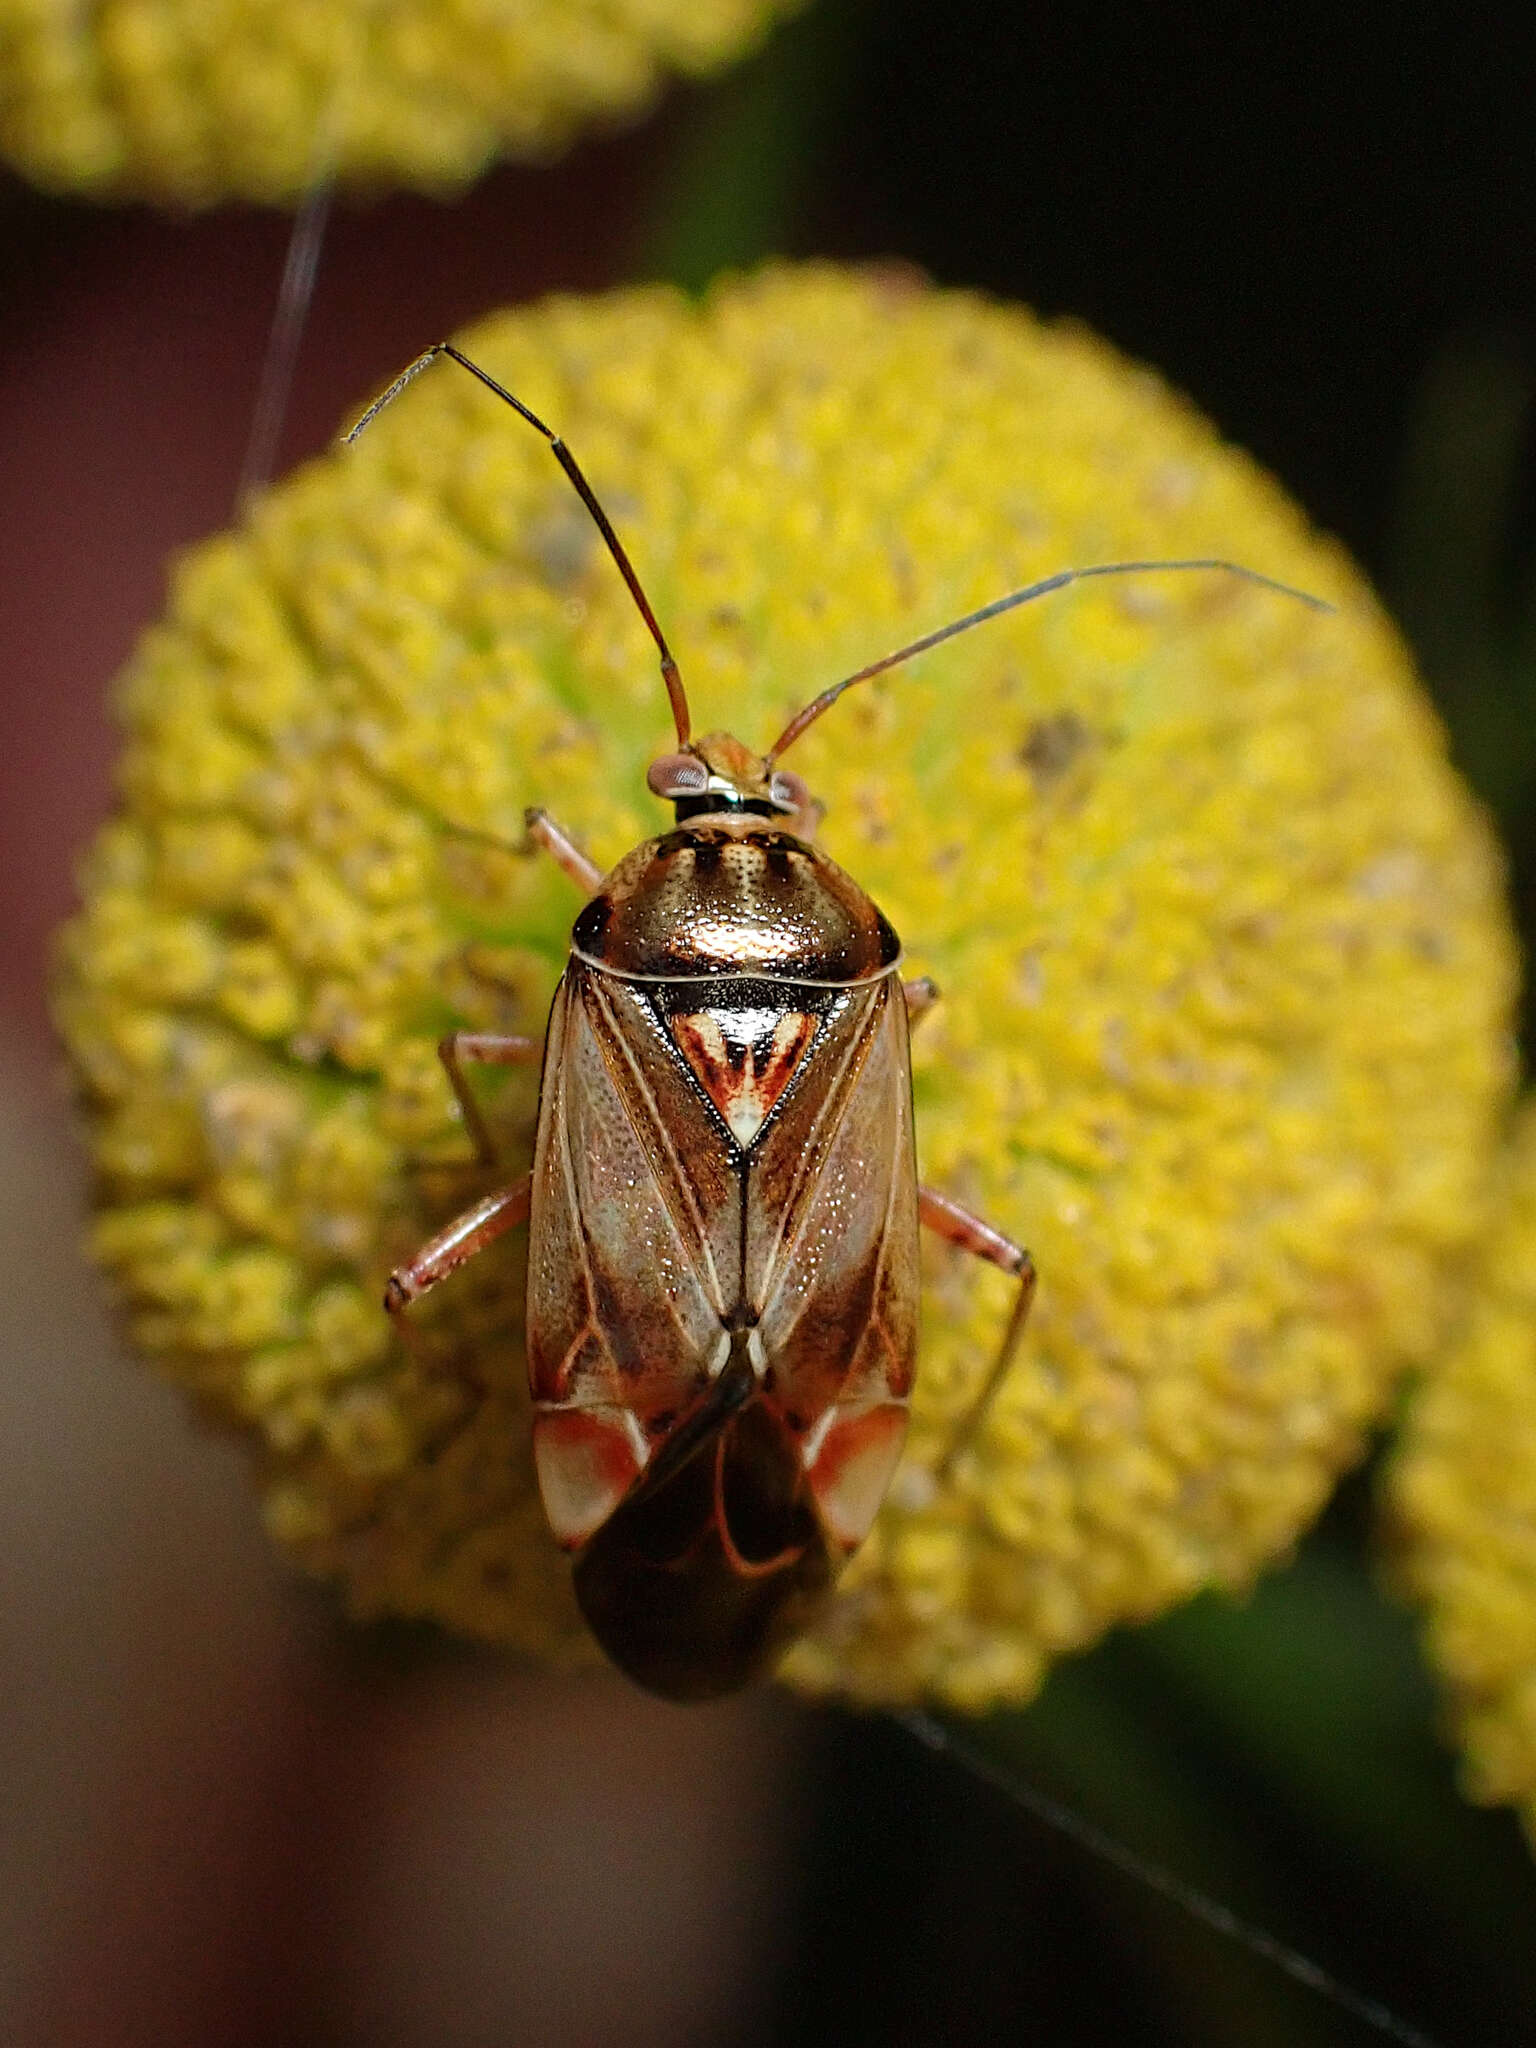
198,101
1461,1496
1226,972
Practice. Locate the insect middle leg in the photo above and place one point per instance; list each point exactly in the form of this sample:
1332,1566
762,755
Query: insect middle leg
486,1049
957,1226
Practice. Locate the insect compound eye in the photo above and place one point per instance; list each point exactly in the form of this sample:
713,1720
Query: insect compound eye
789,791
676,775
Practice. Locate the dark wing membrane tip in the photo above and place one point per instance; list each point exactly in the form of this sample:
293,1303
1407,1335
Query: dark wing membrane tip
678,1601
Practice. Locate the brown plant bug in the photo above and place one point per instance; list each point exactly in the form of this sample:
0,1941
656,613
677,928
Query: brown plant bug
723,1207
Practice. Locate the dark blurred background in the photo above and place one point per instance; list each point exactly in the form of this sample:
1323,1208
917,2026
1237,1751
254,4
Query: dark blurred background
233,1820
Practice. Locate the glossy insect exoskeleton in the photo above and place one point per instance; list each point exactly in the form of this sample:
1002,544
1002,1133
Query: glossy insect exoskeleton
723,1208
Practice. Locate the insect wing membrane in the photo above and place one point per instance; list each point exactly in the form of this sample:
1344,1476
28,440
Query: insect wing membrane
717,1558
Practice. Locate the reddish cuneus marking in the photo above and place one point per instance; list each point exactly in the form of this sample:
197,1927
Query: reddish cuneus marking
723,1208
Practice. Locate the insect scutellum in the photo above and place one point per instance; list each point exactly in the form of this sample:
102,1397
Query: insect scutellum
717,773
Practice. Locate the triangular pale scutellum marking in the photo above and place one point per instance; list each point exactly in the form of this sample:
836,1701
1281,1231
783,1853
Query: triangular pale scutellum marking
744,1060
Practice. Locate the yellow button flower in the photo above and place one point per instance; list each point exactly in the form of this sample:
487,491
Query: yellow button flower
196,101
1462,1500
1226,972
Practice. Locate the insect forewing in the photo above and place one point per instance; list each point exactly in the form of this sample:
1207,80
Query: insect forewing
625,1287
832,1253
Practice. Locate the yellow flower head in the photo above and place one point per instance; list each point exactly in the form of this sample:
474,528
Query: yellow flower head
196,101
1462,1497
1226,975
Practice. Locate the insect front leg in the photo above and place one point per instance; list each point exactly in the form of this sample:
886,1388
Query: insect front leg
957,1226
562,848
455,1244
486,1049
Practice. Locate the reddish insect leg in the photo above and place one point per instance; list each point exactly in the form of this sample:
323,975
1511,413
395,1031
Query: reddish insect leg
959,1227
486,1049
921,996
562,848
457,1242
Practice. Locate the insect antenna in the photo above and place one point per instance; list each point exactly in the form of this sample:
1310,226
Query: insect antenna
943,1740
295,294
809,713
567,461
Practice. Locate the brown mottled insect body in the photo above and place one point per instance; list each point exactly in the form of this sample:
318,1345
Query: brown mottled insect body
722,1296
723,1208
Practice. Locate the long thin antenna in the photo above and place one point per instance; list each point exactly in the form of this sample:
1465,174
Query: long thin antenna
567,461
1189,1898
294,296
809,713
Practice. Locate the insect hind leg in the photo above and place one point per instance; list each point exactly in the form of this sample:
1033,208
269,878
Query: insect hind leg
453,1246
921,995
969,1233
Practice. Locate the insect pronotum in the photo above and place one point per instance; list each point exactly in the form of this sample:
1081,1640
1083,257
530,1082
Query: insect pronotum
723,1207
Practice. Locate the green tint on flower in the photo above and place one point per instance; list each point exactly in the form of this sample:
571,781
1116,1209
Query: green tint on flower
1462,1497
197,101
1226,971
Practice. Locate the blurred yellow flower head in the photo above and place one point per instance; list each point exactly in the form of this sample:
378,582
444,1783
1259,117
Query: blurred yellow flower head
1462,1497
197,101
1226,969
